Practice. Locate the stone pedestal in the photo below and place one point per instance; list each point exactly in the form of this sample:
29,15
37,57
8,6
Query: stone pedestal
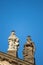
13,53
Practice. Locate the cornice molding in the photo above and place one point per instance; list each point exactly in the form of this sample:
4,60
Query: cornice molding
11,59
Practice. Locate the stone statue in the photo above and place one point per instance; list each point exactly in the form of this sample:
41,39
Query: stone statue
29,50
30,44
13,41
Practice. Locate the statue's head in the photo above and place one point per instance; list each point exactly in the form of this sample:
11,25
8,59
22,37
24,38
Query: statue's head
13,32
29,38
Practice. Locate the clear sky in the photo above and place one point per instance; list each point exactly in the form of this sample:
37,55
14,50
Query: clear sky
26,18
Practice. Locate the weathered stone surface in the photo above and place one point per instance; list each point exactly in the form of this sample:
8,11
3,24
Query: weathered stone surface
29,50
10,58
13,42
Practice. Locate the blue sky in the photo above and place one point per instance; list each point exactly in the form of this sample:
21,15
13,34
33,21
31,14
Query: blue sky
26,18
